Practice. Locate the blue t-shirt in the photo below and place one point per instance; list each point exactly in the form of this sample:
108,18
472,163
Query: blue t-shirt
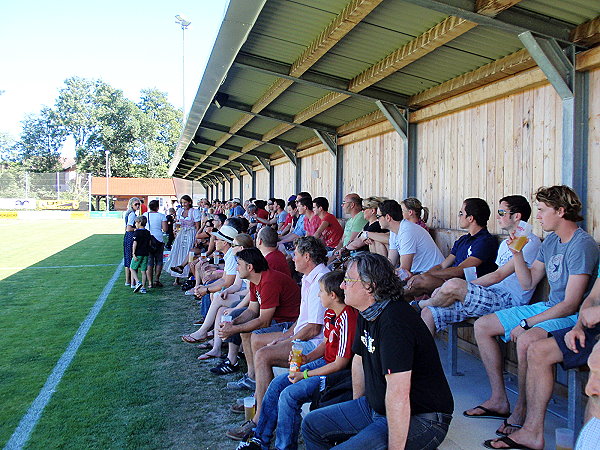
481,245
299,229
577,257
237,211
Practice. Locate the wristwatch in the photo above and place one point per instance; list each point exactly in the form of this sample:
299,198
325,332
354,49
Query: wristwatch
524,324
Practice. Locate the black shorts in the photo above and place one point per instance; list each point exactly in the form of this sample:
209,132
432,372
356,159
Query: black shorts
572,359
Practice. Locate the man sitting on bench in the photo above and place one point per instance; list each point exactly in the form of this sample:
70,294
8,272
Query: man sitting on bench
568,257
457,299
477,248
571,347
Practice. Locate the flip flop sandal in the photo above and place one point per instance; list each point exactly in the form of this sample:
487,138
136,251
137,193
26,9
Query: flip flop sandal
206,357
192,340
508,441
506,424
487,414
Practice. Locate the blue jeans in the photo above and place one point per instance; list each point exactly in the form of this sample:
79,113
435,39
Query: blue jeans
356,426
281,407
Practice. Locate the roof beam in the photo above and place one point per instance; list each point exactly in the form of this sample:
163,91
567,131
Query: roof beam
315,79
397,118
329,141
279,117
554,63
236,174
264,162
587,33
513,21
352,14
232,148
290,154
423,44
248,168
246,134
496,70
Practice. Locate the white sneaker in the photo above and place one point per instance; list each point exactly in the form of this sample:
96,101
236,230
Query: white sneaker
127,284
137,287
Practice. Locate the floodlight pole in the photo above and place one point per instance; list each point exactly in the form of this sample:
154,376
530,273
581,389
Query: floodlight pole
184,24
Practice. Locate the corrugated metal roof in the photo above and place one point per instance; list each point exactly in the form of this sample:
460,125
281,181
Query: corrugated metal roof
284,29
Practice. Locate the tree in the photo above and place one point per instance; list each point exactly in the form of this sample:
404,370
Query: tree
161,128
41,140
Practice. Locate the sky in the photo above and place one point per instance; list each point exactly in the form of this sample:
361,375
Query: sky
130,44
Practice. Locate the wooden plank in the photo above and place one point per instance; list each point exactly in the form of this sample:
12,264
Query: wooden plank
492,8
491,194
537,178
496,70
587,33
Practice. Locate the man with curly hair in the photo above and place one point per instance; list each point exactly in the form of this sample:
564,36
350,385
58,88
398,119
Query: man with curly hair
401,395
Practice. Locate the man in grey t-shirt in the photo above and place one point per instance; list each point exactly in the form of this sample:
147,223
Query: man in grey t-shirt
569,257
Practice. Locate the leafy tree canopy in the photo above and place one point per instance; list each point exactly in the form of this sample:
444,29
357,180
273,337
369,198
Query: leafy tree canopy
140,138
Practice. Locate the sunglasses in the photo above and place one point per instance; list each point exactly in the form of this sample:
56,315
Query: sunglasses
378,216
503,212
136,204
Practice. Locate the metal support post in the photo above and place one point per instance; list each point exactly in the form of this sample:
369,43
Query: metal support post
573,89
298,175
411,168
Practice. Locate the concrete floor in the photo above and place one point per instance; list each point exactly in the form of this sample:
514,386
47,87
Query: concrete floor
472,389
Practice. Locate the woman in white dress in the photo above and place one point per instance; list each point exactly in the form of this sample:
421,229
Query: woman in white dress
188,223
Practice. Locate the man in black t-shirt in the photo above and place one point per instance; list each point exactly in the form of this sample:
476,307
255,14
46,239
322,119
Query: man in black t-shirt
401,395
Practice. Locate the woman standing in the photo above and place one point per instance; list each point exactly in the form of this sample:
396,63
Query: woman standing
132,207
188,222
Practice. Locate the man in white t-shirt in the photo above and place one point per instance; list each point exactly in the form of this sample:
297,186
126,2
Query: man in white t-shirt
157,225
457,299
410,244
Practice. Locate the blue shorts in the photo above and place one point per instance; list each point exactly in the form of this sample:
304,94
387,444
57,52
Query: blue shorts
511,317
570,358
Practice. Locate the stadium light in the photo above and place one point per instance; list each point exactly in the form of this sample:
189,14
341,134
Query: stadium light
184,24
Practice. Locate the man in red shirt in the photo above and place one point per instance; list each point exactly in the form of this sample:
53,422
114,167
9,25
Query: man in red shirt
311,220
330,230
266,242
274,306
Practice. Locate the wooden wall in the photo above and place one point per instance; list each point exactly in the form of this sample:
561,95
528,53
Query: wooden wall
593,207
285,180
504,147
374,167
318,175
236,188
262,184
247,186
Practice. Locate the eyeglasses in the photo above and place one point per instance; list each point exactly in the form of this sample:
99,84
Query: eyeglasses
503,212
378,216
350,280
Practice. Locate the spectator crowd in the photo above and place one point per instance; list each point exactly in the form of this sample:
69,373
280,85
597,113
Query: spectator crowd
352,306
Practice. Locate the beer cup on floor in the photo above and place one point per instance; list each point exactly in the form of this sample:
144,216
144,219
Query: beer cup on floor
249,407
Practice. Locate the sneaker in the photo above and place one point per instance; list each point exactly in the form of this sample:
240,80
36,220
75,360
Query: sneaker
137,287
127,284
143,291
250,444
242,432
243,383
237,407
225,367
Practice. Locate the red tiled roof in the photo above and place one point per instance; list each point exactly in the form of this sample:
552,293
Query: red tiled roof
133,186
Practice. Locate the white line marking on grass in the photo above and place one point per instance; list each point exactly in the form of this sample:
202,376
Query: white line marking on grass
21,434
58,267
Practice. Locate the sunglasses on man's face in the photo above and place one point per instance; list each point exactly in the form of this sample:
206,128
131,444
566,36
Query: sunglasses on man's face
503,212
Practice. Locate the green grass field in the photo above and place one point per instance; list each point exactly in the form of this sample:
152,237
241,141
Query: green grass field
132,383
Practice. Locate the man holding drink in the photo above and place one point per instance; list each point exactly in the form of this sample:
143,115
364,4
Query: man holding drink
568,257
457,299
